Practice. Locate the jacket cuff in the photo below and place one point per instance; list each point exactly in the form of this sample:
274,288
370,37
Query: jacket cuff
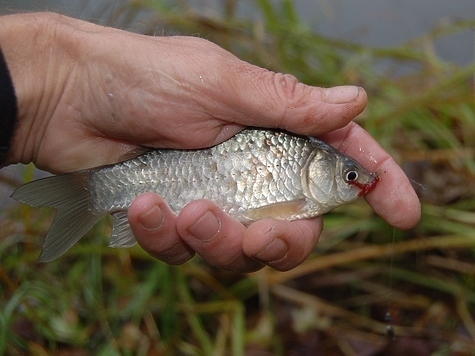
8,109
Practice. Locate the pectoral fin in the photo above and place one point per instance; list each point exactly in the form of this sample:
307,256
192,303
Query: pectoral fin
288,210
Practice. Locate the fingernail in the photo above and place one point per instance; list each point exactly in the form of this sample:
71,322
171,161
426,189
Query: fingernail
340,95
152,219
274,251
205,228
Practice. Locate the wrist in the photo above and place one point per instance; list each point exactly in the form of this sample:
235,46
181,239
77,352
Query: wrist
30,47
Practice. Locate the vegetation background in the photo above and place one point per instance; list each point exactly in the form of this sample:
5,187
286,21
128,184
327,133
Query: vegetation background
367,289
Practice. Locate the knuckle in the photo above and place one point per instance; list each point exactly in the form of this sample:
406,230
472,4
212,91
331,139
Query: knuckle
290,98
287,86
176,254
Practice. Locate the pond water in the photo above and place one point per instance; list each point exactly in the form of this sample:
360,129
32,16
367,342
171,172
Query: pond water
372,22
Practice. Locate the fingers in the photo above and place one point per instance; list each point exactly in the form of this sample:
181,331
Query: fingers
215,236
282,245
393,198
222,241
226,243
154,227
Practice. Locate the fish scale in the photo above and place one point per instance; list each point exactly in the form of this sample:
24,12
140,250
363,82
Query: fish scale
254,175
237,175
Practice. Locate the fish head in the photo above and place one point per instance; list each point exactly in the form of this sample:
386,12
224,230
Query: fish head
332,179
354,179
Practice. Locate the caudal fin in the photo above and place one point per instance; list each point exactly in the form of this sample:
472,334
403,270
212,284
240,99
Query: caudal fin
69,195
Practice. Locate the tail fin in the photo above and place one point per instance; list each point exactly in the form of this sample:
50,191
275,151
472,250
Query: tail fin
69,195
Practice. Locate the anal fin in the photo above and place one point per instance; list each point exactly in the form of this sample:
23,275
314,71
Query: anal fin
122,235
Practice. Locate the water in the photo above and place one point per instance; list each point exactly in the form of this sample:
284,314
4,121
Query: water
381,23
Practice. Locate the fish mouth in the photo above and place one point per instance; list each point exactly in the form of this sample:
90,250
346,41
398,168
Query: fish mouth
367,187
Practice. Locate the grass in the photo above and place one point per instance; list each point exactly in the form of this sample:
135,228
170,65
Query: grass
364,276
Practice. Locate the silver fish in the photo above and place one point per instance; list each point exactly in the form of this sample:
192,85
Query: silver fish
254,175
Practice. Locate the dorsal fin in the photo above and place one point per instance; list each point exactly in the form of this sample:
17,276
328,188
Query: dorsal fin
134,153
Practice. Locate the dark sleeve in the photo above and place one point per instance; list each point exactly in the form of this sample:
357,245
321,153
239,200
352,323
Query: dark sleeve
8,109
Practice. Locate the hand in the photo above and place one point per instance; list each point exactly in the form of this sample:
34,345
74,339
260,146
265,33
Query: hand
88,94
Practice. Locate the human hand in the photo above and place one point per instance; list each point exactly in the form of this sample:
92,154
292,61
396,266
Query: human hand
98,93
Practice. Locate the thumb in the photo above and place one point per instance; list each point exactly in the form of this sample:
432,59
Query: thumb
259,97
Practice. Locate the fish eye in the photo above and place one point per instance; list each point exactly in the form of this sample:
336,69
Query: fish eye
351,176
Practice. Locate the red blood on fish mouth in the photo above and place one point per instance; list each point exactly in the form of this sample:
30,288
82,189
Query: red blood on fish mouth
366,188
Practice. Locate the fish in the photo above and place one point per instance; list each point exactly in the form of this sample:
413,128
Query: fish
256,174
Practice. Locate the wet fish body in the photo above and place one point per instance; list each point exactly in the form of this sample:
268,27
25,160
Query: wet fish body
256,174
